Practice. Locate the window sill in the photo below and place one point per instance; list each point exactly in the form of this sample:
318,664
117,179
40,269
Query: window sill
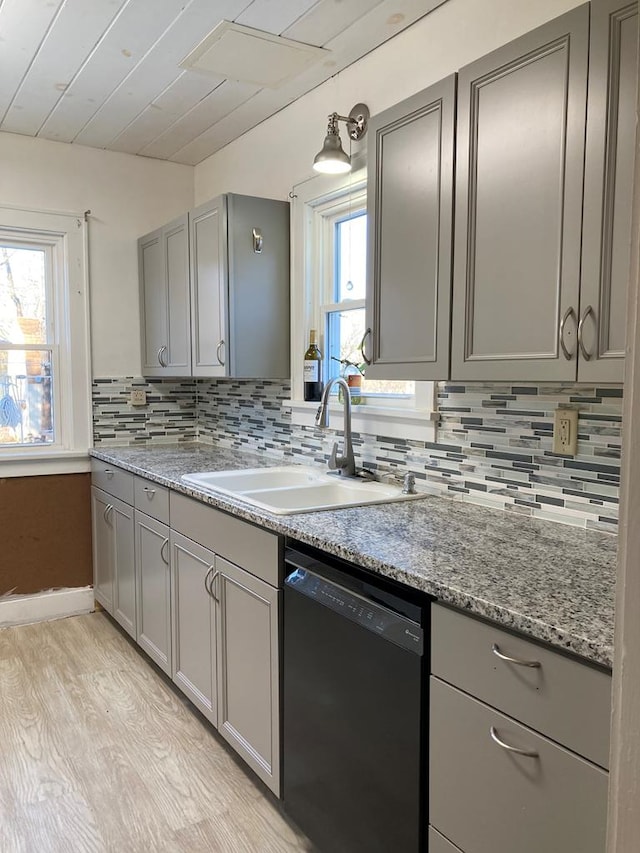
39,463
390,421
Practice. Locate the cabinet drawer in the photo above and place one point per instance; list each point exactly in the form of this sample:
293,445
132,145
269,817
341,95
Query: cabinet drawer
256,550
439,844
487,799
113,480
562,698
152,499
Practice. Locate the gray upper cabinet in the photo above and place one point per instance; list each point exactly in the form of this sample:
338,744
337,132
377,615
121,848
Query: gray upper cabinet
163,258
611,144
519,183
210,326
240,288
410,203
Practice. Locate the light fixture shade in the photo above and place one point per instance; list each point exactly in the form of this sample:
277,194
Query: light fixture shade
332,159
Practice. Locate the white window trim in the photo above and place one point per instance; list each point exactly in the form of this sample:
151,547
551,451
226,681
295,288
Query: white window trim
311,203
67,234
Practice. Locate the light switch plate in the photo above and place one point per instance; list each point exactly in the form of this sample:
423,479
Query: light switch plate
565,432
138,397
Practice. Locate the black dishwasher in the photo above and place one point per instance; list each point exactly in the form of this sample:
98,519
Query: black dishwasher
355,705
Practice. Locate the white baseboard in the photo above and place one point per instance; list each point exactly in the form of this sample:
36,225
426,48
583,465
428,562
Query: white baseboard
44,606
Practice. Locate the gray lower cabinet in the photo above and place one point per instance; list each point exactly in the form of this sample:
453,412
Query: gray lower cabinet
410,221
519,740
499,787
193,624
610,152
519,180
153,589
113,557
248,668
163,263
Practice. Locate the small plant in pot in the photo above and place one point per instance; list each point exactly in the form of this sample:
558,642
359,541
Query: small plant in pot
353,373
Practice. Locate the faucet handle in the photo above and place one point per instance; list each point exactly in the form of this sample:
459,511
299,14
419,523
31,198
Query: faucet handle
333,458
409,484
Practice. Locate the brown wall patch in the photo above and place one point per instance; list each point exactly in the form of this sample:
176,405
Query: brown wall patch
45,525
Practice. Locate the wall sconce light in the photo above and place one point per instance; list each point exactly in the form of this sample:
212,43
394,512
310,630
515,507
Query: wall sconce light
332,159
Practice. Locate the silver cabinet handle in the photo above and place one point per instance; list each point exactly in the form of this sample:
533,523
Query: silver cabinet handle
149,491
258,240
568,313
585,353
218,348
361,347
528,753
165,558
161,360
212,581
108,472
535,664
206,578
105,514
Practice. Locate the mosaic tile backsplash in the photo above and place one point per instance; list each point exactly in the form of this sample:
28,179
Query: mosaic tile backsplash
493,446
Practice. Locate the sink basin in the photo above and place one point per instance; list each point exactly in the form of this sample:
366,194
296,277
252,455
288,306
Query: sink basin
296,488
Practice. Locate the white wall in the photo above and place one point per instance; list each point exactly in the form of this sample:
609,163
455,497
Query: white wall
270,159
128,196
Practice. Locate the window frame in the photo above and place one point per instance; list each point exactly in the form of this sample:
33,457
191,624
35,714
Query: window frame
65,235
313,202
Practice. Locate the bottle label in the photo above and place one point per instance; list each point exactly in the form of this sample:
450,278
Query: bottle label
311,371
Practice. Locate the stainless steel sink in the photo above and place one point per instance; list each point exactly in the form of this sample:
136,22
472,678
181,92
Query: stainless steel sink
295,488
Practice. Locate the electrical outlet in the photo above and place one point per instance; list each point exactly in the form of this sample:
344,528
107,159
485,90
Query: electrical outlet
138,397
565,432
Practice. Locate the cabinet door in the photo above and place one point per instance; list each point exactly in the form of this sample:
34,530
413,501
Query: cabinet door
103,560
248,669
520,156
486,798
259,297
163,258
153,302
611,146
175,245
193,624
409,210
154,585
209,331
120,518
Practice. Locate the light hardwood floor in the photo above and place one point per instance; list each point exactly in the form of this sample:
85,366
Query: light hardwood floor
98,753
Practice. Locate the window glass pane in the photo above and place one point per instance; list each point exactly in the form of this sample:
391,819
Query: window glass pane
351,257
26,400
23,314
344,334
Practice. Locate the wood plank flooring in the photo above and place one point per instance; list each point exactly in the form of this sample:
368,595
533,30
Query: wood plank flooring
99,753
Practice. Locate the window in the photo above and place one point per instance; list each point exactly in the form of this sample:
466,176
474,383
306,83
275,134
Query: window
44,365
343,308
329,226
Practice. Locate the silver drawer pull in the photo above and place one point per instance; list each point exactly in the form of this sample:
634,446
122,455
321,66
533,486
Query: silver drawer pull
585,352
108,472
149,491
528,753
568,313
218,350
518,661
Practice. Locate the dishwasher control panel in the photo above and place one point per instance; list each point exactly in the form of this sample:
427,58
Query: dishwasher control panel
370,615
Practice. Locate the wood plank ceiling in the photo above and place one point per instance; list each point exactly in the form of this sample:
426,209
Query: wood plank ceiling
105,73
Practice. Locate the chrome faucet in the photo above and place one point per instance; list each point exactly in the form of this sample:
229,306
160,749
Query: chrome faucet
345,465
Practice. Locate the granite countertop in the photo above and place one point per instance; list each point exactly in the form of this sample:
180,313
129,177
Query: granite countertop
551,581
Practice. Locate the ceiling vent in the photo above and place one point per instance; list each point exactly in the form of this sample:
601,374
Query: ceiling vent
235,52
